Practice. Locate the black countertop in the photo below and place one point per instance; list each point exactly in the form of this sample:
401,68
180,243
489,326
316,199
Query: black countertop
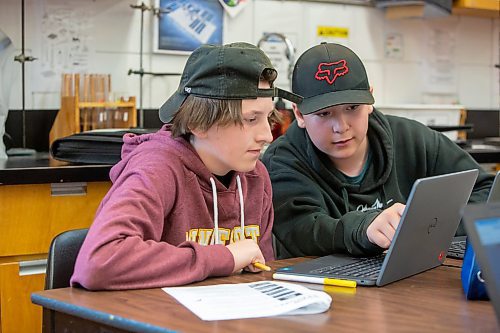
484,155
41,169
483,151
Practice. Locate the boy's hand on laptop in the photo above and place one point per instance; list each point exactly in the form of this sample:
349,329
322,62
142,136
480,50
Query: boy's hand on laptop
382,229
245,252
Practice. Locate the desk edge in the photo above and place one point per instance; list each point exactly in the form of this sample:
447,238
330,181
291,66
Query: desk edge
97,316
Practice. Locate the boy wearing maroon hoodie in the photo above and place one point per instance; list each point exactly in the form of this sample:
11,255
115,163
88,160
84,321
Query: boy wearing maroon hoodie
191,200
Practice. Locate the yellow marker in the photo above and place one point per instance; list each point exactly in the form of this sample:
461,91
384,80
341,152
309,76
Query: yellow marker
261,266
339,290
340,283
309,279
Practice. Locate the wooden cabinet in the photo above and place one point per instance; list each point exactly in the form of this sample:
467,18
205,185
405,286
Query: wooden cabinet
30,216
18,315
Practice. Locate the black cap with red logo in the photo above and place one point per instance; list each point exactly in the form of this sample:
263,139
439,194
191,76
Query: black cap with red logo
330,74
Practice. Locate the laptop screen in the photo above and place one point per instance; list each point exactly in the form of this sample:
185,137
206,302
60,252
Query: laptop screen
482,222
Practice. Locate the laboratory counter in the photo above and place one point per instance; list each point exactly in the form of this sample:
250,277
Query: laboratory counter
40,168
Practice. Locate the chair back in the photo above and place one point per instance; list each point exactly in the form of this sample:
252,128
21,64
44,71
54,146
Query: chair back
63,251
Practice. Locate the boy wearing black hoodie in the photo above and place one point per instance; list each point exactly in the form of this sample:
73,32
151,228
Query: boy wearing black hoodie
343,171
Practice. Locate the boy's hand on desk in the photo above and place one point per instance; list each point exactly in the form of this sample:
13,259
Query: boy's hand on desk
245,252
382,229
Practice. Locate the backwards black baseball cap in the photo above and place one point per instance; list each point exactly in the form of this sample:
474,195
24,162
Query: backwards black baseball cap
330,74
224,72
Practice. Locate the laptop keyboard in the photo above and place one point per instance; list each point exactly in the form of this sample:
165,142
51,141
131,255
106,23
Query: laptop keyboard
362,268
457,249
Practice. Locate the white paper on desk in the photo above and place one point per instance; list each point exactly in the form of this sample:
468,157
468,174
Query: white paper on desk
250,300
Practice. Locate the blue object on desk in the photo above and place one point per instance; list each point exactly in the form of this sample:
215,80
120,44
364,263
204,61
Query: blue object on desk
472,281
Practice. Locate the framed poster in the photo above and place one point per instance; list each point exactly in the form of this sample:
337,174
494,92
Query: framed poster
183,25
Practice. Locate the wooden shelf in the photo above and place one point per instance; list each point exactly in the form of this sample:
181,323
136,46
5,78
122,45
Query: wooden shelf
92,111
107,104
481,8
75,117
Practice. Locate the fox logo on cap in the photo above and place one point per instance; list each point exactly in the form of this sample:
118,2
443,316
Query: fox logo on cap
330,71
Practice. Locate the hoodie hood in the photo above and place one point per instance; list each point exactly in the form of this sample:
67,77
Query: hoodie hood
183,150
162,139
371,193
381,144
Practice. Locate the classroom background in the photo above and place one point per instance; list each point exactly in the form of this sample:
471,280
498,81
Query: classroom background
420,59
431,64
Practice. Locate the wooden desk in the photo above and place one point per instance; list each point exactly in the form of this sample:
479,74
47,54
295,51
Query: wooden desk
429,302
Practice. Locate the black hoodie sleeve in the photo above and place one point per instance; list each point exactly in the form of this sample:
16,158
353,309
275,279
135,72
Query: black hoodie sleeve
303,225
